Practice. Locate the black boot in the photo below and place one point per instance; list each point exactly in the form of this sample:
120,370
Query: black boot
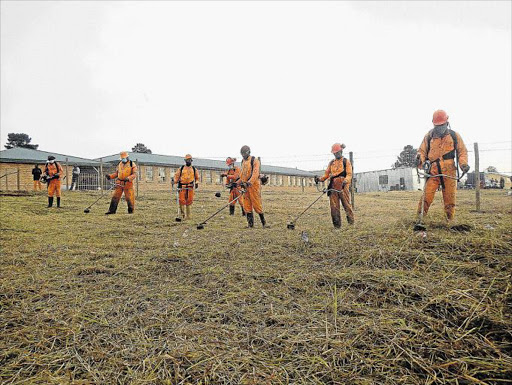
58,201
243,212
113,207
50,201
263,221
250,219
350,220
231,210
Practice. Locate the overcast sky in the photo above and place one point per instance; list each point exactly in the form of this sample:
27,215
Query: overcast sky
287,78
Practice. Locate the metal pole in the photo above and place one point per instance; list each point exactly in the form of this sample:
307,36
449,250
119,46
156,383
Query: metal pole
352,187
477,177
67,175
137,178
101,173
302,183
18,178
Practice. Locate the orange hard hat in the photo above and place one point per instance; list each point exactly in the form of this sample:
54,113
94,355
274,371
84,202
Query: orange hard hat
337,147
230,161
124,154
188,156
439,117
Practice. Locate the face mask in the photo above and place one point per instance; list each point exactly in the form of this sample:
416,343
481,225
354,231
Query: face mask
338,155
440,130
124,160
188,162
51,162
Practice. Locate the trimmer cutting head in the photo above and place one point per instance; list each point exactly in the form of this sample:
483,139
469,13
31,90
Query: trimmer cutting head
420,227
177,219
217,194
87,211
290,226
461,228
200,226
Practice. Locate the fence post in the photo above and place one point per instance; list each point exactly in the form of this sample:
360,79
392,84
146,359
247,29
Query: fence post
101,173
477,177
18,178
67,175
137,178
352,187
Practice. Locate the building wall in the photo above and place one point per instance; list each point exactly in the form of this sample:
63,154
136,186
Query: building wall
387,180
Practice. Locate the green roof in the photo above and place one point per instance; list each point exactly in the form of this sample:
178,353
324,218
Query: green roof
27,155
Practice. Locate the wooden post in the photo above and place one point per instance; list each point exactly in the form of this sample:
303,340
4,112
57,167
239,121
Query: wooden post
352,185
302,183
137,178
477,177
67,175
18,178
101,173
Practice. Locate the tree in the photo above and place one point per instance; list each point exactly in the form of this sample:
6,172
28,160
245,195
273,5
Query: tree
407,157
140,147
491,169
20,140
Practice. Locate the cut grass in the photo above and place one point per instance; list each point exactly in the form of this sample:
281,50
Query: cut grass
141,299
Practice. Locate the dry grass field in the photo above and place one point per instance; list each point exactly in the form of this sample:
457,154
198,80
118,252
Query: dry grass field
140,299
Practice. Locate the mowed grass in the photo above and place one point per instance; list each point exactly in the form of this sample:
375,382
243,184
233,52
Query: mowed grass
140,299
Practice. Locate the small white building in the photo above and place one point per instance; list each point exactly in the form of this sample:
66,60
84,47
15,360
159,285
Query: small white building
398,179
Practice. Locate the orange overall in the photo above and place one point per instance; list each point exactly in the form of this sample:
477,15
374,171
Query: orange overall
441,153
251,174
125,175
54,184
340,178
185,178
232,176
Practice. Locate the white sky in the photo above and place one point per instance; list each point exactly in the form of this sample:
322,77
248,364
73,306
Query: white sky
287,78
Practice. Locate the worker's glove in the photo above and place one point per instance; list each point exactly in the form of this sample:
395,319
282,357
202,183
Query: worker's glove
223,174
197,185
464,168
418,160
317,179
107,176
427,166
248,184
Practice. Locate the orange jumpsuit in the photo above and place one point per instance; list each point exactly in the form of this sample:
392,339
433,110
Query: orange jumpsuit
185,177
54,184
232,176
442,157
125,175
252,198
333,172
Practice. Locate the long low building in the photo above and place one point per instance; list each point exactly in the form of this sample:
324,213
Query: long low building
155,171
398,179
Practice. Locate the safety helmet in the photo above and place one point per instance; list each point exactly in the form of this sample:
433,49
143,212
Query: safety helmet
439,117
124,154
245,149
230,161
188,156
337,147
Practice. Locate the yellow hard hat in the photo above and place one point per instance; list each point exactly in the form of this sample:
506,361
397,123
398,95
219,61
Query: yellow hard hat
124,154
188,156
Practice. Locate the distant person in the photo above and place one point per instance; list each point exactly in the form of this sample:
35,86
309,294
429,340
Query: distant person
126,172
232,177
186,177
339,173
250,180
52,174
36,174
75,174
439,149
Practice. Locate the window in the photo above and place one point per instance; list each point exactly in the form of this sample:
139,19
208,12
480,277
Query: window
149,172
161,174
383,179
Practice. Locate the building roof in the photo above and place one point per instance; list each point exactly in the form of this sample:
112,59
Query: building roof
27,155
386,170
205,164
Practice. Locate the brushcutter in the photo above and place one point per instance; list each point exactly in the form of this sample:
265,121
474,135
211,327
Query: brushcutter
426,174
200,225
291,225
88,209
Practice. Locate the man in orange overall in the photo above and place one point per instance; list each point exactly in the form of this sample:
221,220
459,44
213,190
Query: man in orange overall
232,177
437,154
125,174
52,174
186,177
250,180
339,173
